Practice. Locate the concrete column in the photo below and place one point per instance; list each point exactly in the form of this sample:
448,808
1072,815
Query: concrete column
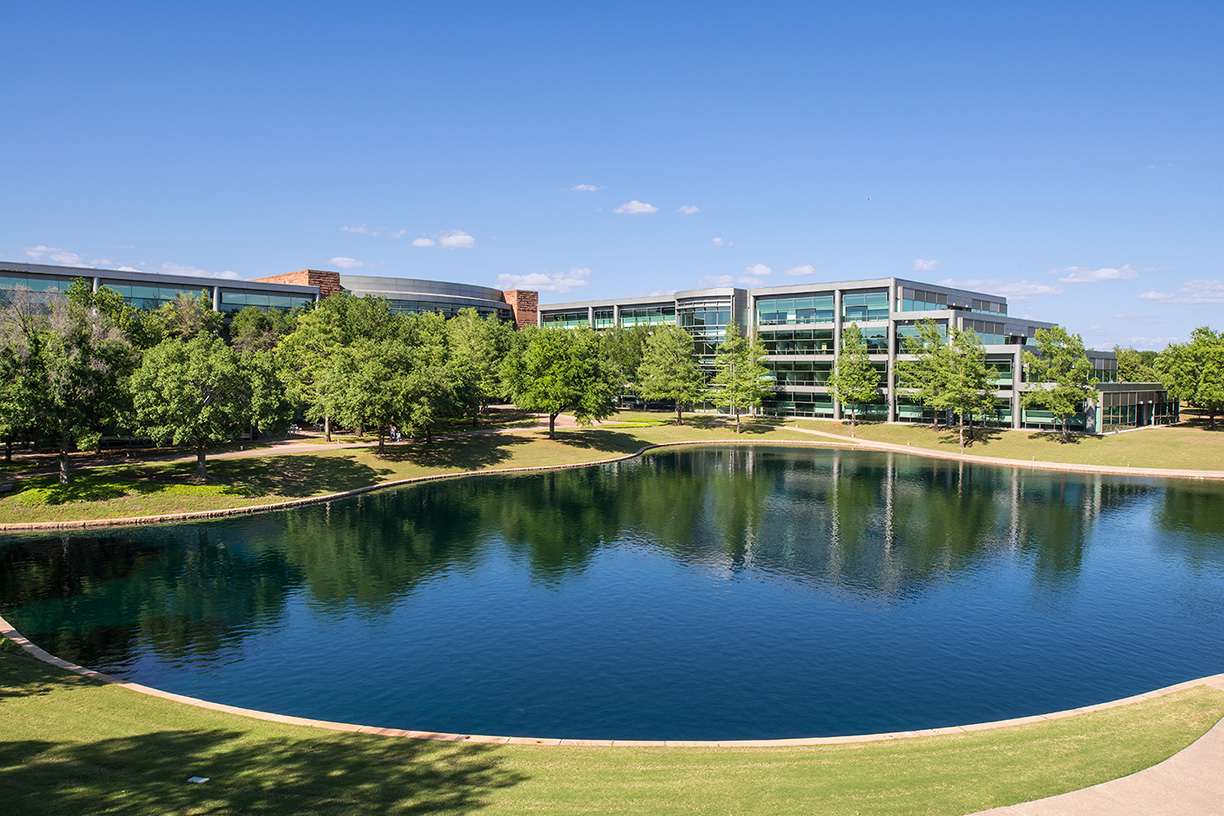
216,293
96,283
591,316
891,379
615,315
837,332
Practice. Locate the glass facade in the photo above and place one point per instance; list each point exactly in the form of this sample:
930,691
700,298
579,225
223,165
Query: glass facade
907,329
707,323
566,320
799,404
646,315
605,318
863,306
41,286
800,372
799,341
236,301
988,332
919,300
795,311
1136,409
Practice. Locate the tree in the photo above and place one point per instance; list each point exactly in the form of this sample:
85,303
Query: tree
556,370
79,376
1059,375
255,329
854,380
21,338
624,348
192,393
922,373
187,316
370,383
436,383
1136,366
481,344
963,378
669,369
1194,371
741,379
270,408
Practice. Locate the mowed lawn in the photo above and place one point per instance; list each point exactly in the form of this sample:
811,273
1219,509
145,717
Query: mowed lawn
1189,446
131,490
74,745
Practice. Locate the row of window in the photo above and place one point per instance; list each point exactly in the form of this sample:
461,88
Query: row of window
236,301
919,300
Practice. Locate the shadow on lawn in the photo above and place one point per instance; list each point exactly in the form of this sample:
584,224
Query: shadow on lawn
459,453
600,440
1056,436
979,433
342,774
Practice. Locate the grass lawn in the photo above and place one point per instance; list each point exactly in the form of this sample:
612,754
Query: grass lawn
1182,446
126,490
73,745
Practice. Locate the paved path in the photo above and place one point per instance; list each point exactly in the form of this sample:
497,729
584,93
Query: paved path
1189,783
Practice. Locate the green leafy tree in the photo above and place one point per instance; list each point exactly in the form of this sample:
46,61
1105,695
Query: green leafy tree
255,329
921,374
189,315
555,370
21,339
741,379
481,344
669,369
1059,375
854,379
1136,366
1194,371
964,378
270,408
370,383
192,393
437,383
624,348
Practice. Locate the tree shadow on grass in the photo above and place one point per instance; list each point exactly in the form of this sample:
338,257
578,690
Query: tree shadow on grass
600,440
296,476
458,453
979,433
329,773
1056,436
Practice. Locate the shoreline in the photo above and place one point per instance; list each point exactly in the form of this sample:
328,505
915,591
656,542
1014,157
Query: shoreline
826,440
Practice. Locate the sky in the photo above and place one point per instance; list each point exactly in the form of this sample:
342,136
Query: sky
1066,155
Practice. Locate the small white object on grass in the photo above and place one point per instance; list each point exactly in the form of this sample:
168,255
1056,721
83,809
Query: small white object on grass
199,780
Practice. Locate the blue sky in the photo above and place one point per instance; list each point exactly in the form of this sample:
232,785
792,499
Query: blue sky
1067,155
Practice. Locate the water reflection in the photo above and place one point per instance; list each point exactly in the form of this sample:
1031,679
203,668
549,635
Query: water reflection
883,529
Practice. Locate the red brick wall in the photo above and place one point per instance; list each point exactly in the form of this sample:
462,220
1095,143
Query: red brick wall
525,305
328,282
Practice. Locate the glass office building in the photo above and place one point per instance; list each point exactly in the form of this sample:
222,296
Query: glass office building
800,327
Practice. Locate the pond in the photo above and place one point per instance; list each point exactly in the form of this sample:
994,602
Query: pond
695,593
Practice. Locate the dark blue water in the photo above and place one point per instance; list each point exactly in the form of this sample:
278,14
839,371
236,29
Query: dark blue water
695,594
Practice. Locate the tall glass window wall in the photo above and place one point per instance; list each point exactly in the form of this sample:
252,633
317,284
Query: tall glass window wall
647,315
40,286
909,329
566,320
604,318
232,301
988,332
1136,409
795,311
800,372
919,300
141,296
799,404
798,341
861,306
707,323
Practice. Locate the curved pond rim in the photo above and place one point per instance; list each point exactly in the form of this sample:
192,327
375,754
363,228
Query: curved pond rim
7,631
849,444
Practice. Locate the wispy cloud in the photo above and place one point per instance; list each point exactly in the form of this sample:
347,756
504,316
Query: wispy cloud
753,275
55,255
1160,166
1195,291
366,229
1149,343
347,263
1080,274
924,266
636,207
585,188
800,271
575,278
722,242
455,239
759,270
46,254
689,209
1012,290
195,271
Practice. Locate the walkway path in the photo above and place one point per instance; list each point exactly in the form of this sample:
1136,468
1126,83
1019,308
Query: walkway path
1189,783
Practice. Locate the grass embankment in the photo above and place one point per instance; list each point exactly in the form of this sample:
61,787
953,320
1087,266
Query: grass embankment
1183,446
129,490
73,745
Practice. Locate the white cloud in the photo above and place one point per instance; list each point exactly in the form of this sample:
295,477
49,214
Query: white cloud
347,263
758,270
800,271
363,229
126,246
1159,166
689,209
1195,291
399,233
722,242
636,207
1080,274
1013,290
54,255
127,269
456,239
753,276
423,242
575,278
924,266
1149,343
585,188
